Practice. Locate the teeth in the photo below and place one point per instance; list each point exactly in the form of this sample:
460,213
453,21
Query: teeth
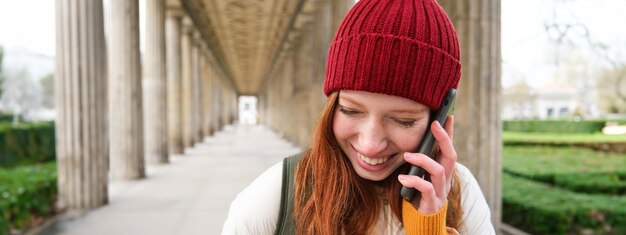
373,161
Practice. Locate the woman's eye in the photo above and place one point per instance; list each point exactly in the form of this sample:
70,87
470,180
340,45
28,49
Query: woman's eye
406,123
347,112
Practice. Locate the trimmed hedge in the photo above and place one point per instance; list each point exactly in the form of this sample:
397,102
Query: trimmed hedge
541,209
546,160
26,191
27,143
613,184
595,183
554,126
6,117
575,169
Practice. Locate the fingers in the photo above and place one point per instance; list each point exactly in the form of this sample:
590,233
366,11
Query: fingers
449,126
444,139
425,187
437,173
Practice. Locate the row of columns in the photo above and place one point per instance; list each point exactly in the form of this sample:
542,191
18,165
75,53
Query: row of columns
297,79
115,114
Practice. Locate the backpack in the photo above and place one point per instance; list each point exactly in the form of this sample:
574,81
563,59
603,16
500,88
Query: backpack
286,223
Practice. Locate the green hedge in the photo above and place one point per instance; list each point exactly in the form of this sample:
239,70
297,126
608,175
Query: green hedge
27,143
549,160
554,126
594,183
608,183
6,117
541,209
26,191
575,169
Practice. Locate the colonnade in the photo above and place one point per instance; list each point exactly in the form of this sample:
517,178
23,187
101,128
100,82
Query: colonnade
291,97
118,110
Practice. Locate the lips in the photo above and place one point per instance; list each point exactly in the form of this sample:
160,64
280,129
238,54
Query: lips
372,161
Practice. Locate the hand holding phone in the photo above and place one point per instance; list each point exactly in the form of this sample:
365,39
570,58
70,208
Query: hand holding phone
428,142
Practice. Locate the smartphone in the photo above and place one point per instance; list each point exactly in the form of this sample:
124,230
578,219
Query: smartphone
428,141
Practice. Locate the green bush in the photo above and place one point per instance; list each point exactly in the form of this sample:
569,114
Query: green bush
554,126
4,224
26,191
548,160
6,117
541,209
607,183
575,169
570,139
27,143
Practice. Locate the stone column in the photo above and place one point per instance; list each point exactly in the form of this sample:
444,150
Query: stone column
126,111
307,64
235,105
478,125
197,88
81,104
223,104
323,31
340,8
206,94
187,78
155,118
174,81
289,81
217,102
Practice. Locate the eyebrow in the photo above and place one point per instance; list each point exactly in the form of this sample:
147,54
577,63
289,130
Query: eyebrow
398,111
343,98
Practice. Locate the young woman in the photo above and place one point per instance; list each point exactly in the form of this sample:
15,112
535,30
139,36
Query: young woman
388,69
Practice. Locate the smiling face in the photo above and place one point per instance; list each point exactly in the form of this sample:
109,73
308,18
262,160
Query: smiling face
374,130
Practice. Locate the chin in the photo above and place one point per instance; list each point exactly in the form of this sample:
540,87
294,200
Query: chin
372,177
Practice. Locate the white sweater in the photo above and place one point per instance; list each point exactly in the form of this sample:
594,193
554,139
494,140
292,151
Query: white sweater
255,209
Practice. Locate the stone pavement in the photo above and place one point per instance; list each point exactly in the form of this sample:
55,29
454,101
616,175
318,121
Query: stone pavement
191,195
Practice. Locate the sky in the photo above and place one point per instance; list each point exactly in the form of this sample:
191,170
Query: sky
527,49
28,23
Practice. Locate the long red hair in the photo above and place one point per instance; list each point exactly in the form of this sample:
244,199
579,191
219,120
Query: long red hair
330,198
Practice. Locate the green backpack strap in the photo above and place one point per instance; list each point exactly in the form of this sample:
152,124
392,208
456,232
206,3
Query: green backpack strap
286,223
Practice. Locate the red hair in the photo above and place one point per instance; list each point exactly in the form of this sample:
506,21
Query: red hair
330,198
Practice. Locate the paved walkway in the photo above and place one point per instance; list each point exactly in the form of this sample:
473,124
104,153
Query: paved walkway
191,195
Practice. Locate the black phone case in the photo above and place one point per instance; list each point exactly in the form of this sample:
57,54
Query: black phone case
428,142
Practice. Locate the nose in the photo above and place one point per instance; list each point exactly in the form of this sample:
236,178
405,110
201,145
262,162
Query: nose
372,139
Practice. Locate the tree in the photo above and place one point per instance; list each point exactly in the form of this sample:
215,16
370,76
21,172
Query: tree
22,94
47,84
612,79
571,33
612,88
1,74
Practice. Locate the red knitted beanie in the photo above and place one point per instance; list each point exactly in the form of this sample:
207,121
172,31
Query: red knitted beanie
405,48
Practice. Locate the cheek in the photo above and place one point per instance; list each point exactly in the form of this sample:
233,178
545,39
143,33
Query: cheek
409,141
341,128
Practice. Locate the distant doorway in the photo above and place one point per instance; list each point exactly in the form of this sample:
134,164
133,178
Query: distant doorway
247,110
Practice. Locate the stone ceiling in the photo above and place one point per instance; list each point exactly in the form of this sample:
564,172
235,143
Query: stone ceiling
245,35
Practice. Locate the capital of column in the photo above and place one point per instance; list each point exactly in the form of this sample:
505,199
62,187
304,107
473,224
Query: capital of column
188,27
199,39
174,12
173,4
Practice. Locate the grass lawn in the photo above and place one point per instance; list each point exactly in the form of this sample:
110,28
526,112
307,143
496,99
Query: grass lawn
544,160
565,138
